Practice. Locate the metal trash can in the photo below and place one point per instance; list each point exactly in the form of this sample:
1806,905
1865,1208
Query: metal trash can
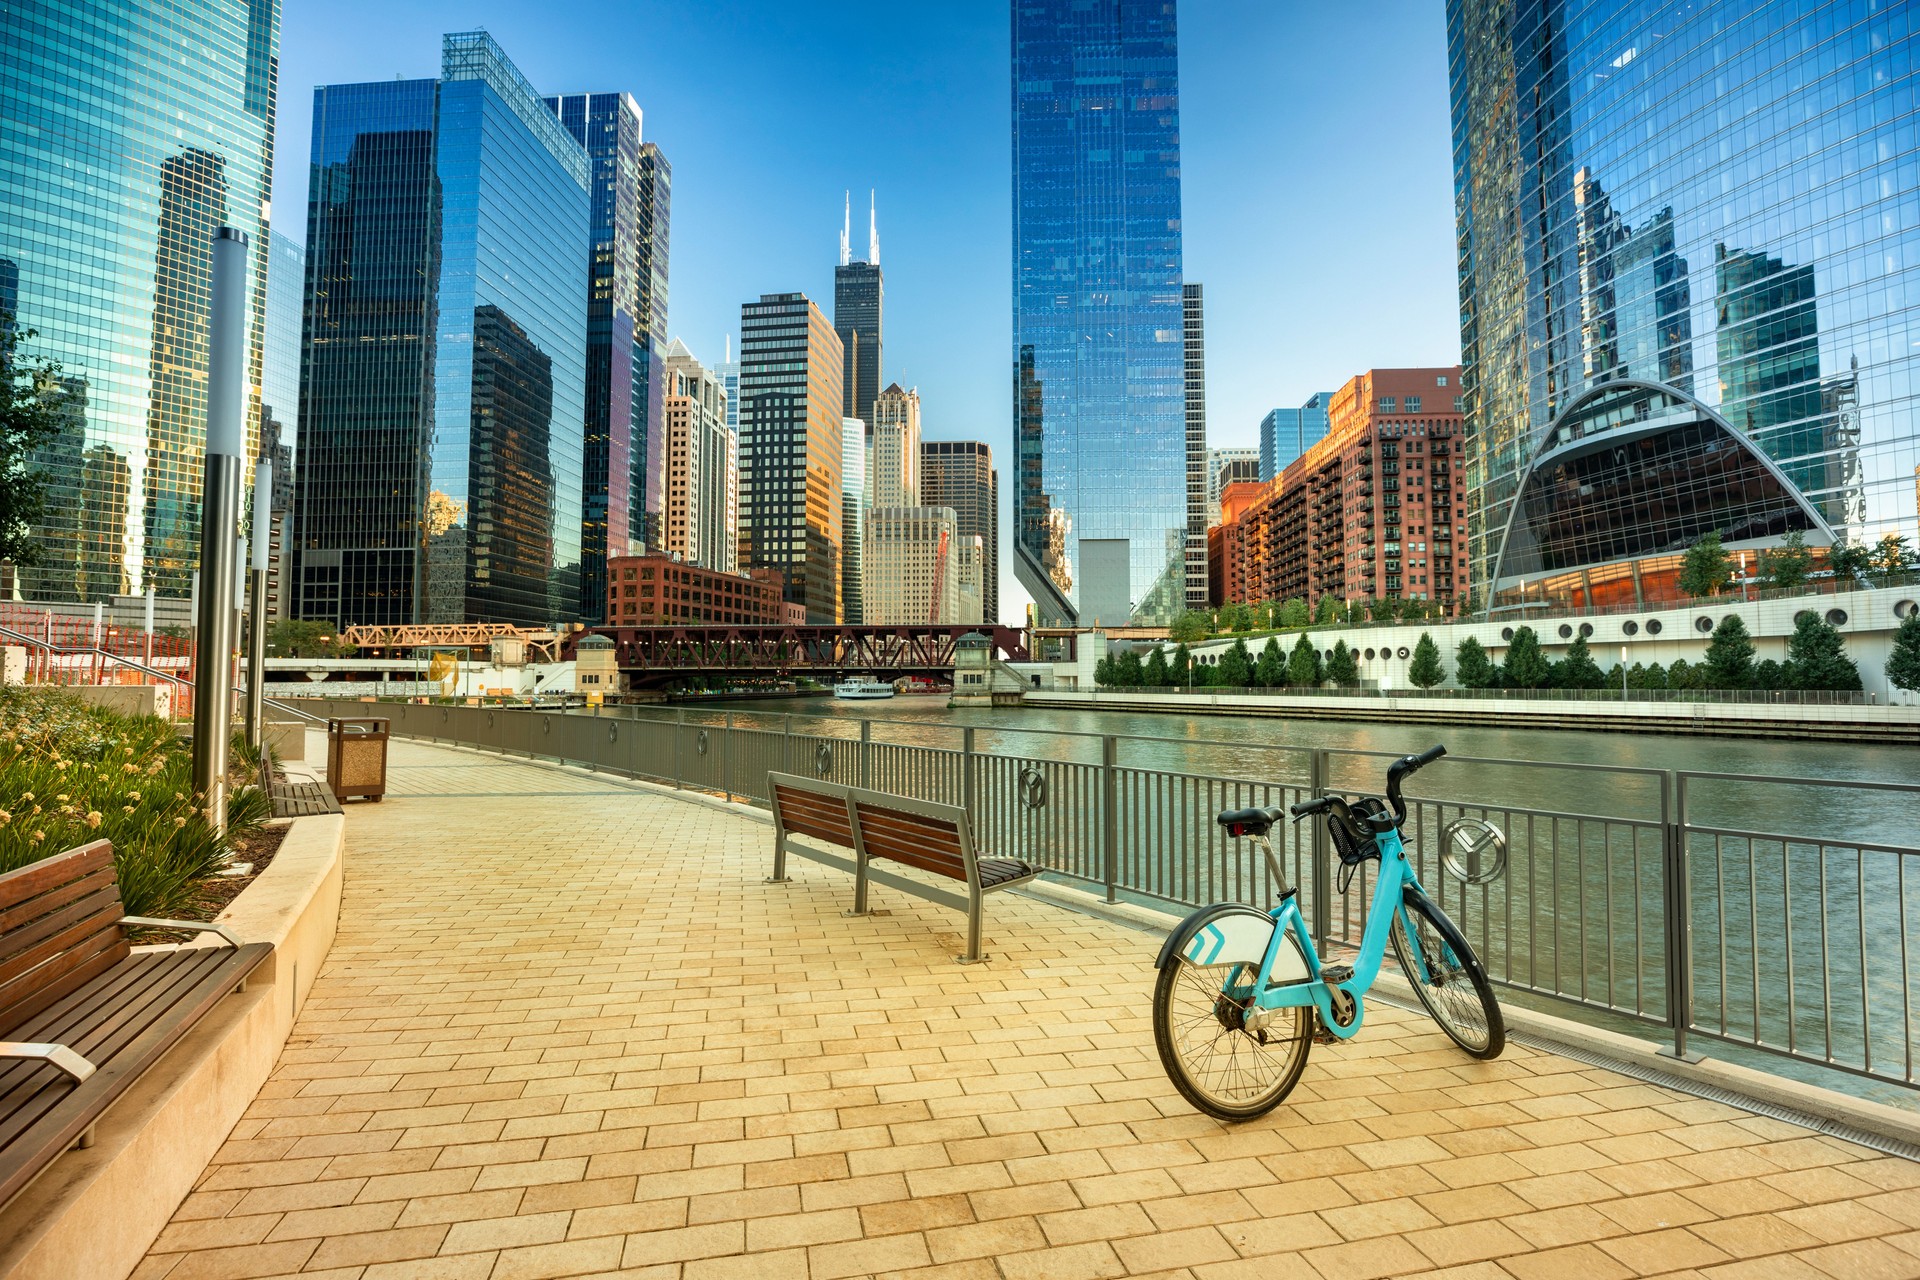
357,758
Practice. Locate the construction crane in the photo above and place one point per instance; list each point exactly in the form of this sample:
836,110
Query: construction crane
939,575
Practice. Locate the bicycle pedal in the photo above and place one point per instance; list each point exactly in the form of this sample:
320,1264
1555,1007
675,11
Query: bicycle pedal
1335,974
1322,1034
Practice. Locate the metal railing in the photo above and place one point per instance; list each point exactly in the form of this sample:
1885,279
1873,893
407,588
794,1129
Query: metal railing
1765,697
1632,896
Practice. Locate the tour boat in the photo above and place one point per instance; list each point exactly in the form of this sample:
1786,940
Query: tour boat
857,687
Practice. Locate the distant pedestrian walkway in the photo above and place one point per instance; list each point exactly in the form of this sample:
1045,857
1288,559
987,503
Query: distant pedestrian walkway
567,1031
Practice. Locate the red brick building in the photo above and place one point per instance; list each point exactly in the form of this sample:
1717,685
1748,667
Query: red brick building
1375,509
659,591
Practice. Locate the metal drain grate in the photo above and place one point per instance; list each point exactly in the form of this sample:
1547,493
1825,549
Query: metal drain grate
1695,1088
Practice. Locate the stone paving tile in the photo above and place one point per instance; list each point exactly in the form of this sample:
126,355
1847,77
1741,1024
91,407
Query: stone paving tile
567,1030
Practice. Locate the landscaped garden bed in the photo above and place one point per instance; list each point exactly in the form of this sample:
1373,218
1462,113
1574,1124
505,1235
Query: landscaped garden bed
70,774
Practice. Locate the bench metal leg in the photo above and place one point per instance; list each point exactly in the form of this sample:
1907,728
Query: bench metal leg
86,1139
973,955
859,885
779,875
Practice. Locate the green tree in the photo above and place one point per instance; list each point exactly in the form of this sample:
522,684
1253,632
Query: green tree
1817,656
1271,671
1426,670
1903,663
34,406
1342,669
1190,627
1578,670
1329,611
1472,667
1729,663
1242,617
1848,562
1181,668
1892,554
1382,609
1128,671
1235,668
1788,563
1704,570
1682,675
1304,667
1525,667
296,638
1294,614
1203,674
1155,675
1768,674
1103,672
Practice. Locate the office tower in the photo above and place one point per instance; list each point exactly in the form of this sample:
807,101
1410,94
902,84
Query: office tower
1629,257
1194,303
728,371
959,474
1285,434
655,204
857,296
439,467
908,564
790,449
613,517
699,463
1370,512
1225,467
895,478
114,175
1101,503
969,563
853,502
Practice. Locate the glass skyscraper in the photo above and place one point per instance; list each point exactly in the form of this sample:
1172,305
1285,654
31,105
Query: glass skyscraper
440,469
1285,434
1711,203
1101,456
130,133
280,344
858,295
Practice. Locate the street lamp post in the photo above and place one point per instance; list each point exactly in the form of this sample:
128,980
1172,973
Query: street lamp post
257,612
220,521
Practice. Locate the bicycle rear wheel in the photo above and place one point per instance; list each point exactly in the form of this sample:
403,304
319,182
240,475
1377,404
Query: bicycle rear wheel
1216,1063
1455,989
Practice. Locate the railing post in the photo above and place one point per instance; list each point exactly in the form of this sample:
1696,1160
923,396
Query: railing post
786,742
967,785
1679,958
1322,887
866,740
726,758
1109,814
679,743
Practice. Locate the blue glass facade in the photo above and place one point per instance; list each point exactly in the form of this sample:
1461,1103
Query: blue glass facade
1720,197
650,449
1098,351
1285,434
440,465
280,341
130,133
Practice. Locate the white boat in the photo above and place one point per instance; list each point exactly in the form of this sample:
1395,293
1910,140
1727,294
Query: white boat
857,687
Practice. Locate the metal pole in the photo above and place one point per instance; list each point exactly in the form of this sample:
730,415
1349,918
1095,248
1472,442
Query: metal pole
219,519
257,610
967,784
1109,815
1322,887
99,622
866,740
149,648
1673,810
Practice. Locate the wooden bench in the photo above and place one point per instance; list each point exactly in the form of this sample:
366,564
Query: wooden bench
81,1016
935,838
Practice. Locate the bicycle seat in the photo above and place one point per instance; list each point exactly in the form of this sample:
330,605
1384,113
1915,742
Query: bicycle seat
1250,822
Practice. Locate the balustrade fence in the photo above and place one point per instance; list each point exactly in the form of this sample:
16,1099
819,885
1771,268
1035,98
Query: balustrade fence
1768,913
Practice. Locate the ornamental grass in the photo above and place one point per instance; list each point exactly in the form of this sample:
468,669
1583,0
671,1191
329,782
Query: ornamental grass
71,774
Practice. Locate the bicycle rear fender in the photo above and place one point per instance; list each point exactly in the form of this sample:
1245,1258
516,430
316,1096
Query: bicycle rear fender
1223,933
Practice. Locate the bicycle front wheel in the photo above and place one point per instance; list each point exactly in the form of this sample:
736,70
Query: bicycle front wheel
1448,978
1213,1059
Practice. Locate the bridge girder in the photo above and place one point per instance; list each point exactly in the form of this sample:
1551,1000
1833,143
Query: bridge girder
808,650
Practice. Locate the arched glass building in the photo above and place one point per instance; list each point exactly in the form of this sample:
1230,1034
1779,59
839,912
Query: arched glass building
1629,477
1721,198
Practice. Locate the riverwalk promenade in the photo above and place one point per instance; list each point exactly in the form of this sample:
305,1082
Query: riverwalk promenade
567,1030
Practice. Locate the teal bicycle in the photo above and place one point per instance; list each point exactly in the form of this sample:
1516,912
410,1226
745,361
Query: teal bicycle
1242,995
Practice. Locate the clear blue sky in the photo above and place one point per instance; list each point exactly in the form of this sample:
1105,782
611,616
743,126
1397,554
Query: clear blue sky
1316,169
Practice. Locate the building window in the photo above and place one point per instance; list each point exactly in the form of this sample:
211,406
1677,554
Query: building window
1459,404
1440,381
1388,404
1413,404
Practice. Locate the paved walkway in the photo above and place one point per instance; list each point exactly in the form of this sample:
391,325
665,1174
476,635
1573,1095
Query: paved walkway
567,1031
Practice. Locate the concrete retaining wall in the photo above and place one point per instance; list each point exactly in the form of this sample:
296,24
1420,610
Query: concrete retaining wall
95,1212
128,699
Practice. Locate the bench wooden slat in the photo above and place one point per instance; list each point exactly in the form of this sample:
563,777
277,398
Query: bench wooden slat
12,917
809,814
93,953
17,942
70,1117
917,841
38,877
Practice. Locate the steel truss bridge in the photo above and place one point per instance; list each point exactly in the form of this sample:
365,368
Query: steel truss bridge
652,653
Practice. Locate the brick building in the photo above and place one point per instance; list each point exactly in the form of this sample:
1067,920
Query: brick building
1375,509
659,591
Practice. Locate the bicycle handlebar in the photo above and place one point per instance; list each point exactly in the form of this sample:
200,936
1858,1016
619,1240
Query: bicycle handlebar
1396,772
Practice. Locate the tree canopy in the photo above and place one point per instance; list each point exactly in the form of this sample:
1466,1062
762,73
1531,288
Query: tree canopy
1303,665
1903,663
1271,671
33,409
1525,666
1426,670
1235,668
1729,660
1817,656
1472,667
1342,669
1705,568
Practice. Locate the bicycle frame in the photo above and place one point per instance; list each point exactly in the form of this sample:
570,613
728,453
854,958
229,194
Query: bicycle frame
1389,895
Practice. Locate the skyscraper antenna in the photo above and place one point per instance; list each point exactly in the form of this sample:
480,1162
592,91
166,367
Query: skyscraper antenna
846,231
873,230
